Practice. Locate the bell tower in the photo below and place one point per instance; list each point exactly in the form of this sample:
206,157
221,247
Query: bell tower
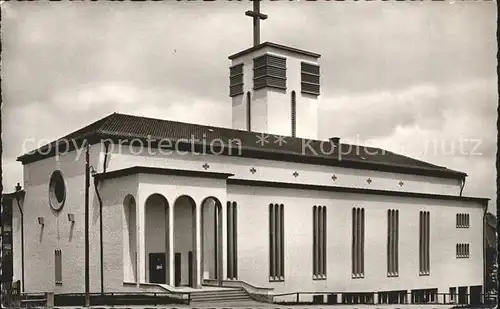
274,88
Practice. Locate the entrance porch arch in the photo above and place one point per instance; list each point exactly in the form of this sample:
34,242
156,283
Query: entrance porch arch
211,238
129,239
156,239
185,244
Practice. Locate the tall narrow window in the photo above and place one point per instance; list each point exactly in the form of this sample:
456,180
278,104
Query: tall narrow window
319,242
249,112
392,242
294,114
424,243
58,266
358,242
276,243
232,246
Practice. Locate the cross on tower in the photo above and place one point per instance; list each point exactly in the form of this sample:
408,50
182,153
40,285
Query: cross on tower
257,16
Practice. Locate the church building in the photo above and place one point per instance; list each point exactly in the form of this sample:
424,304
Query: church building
265,206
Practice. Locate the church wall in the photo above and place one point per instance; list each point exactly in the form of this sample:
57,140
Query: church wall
115,248
259,115
279,107
239,112
57,232
280,102
183,236
208,240
445,269
307,115
271,108
283,171
279,111
156,228
16,239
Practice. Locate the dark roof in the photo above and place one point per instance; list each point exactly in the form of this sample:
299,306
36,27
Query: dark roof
278,46
124,128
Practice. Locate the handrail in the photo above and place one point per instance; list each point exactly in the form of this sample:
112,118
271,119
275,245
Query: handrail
162,286
114,298
240,282
485,298
251,285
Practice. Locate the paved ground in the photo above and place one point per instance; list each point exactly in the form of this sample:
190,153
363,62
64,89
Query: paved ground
252,305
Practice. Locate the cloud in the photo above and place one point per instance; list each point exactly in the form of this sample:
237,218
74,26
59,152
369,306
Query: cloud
463,109
452,126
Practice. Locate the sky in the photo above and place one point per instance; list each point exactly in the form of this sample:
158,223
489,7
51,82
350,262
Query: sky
417,78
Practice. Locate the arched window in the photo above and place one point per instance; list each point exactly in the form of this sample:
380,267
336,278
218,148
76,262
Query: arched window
294,114
249,112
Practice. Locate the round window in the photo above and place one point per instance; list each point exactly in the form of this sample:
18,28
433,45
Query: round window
57,191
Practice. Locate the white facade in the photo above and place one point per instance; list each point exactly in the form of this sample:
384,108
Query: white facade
152,231
176,209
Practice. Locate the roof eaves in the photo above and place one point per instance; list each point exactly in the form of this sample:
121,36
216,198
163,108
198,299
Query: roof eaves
161,171
274,45
85,133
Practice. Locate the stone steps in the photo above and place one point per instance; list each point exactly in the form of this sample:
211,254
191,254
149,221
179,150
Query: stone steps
226,295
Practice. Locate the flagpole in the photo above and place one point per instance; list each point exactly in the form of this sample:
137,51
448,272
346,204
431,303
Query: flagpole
87,271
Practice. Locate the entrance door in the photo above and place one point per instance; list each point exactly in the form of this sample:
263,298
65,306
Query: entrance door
475,294
157,268
462,295
190,268
177,266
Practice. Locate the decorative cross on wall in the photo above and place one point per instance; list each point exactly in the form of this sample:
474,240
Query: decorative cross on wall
295,174
206,166
253,170
257,16
334,177
401,183
369,181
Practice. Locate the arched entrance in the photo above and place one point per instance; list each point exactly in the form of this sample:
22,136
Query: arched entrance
185,242
129,240
211,238
156,239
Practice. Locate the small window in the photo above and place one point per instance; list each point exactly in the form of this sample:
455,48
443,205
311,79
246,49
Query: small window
462,220
58,266
269,71
236,80
310,78
462,251
318,299
249,112
57,191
